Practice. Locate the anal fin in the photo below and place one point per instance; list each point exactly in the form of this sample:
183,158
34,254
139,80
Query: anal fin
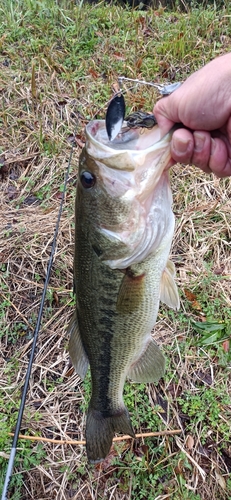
150,367
76,349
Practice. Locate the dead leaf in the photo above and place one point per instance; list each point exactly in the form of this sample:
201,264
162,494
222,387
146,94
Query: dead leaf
148,32
220,479
2,39
175,390
191,297
164,64
55,298
4,455
31,200
12,192
58,195
69,372
145,450
139,63
219,270
203,319
37,403
225,345
141,20
115,87
14,173
93,73
179,469
204,377
76,140
189,442
119,56
80,140
107,462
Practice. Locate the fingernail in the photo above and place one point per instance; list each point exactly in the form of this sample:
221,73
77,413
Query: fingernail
199,140
179,145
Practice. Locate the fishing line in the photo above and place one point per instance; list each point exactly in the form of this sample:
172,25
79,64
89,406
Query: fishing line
120,91
36,332
164,89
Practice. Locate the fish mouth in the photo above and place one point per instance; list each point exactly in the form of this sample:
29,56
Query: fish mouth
137,138
127,150
132,172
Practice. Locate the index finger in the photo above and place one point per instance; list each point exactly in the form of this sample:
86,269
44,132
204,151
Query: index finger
161,112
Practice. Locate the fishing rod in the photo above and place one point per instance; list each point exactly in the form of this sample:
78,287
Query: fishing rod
36,332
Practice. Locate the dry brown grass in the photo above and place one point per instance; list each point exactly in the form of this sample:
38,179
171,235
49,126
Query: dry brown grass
39,115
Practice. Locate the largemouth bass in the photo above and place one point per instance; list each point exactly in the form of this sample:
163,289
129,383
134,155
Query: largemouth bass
123,232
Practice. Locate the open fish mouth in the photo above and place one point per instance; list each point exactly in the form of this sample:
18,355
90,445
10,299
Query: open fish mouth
132,167
127,149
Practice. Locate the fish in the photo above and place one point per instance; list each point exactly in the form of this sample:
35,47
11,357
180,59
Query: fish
124,227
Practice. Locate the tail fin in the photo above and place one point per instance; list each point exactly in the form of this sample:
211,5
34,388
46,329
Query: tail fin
100,432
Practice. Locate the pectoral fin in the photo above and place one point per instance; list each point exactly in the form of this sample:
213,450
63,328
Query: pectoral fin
150,366
76,349
131,291
168,289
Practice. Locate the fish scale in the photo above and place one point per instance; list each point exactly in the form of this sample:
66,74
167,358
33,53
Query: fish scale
123,232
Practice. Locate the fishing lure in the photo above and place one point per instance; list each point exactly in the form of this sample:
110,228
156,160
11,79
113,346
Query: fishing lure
141,119
138,119
115,116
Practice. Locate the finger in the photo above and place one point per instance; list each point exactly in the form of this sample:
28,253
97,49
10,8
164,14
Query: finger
161,112
220,160
182,146
202,150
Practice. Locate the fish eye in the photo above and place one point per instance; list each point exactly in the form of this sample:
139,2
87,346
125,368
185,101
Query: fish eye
88,180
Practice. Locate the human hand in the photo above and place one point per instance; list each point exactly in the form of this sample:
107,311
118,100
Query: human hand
203,104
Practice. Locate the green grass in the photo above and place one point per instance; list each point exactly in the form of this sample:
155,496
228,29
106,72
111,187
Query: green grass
59,61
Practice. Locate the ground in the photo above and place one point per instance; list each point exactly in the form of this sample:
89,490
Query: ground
59,62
